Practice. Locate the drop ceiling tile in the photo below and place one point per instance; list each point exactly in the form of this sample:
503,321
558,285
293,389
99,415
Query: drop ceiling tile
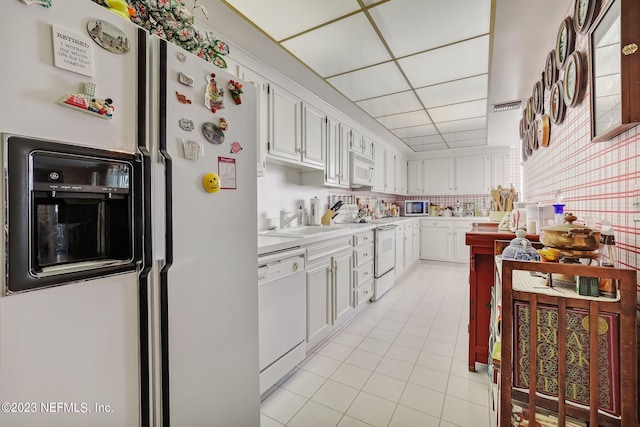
390,104
468,143
421,140
429,147
404,120
461,136
462,90
284,18
463,110
412,131
411,26
462,125
370,82
332,49
456,61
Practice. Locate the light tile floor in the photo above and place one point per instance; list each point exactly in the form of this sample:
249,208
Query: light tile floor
402,362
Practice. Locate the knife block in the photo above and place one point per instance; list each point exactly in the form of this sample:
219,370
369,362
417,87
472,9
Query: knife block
327,217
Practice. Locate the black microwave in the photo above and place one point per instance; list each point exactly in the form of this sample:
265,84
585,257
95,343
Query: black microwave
72,213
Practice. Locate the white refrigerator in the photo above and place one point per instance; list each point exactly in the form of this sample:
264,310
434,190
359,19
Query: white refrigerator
174,340
204,285
71,355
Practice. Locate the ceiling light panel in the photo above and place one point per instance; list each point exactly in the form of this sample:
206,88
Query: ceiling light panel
460,60
461,136
404,120
333,49
370,82
454,92
390,104
460,111
462,125
412,131
429,147
431,23
468,143
284,18
421,140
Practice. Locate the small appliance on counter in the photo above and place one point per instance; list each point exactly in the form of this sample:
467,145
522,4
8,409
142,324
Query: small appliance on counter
314,213
416,208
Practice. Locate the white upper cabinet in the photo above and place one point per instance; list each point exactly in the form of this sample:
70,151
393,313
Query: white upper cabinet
285,124
389,171
313,135
439,176
337,154
473,174
296,130
362,145
415,178
367,147
378,168
262,100
401,175
500,170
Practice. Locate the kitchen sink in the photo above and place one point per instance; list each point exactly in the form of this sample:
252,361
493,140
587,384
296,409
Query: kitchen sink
300,231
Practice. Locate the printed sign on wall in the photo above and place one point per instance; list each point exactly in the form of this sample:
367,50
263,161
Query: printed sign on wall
72,51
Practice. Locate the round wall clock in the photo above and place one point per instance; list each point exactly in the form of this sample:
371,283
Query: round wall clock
583,15
556,103
550,70
564,42
572,79
538,97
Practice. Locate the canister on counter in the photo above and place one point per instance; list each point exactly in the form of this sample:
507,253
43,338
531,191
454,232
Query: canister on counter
608,286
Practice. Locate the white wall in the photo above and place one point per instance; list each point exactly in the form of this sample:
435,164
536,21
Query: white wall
280,189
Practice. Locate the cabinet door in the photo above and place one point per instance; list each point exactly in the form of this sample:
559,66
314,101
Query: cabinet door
438,176
313,136
436,243
333,156
500,170
415,178
401,175
407,240
342,286
389,172
400,249
262,101
368,147
284,121
356,142
318,299
472,174
460,248
416,240
378,168
344,144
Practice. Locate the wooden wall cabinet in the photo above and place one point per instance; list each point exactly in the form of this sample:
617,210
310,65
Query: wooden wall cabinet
614,64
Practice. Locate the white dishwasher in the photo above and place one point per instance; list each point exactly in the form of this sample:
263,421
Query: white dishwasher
281,313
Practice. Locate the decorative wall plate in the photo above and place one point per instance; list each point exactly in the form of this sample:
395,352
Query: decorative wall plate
573,79
565,42
533,138
108,36
556,103
523,128
543,130
524,143
538,97
530,111
529,142
583,15
550,70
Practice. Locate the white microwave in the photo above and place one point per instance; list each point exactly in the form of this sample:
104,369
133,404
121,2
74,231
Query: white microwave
416,207
360,171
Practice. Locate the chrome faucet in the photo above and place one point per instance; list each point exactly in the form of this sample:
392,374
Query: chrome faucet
284,220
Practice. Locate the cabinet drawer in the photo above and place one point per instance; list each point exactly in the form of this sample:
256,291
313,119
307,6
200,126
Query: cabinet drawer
362,254
326,248
361,238
364,293
362,274
435,223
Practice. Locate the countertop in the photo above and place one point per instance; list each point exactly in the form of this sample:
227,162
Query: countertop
268,243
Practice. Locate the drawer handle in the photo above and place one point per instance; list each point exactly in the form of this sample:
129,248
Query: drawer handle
366,273
365,254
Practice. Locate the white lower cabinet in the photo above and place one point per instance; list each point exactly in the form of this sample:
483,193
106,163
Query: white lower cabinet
400,249
444,240
330,297
363,267
415,240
